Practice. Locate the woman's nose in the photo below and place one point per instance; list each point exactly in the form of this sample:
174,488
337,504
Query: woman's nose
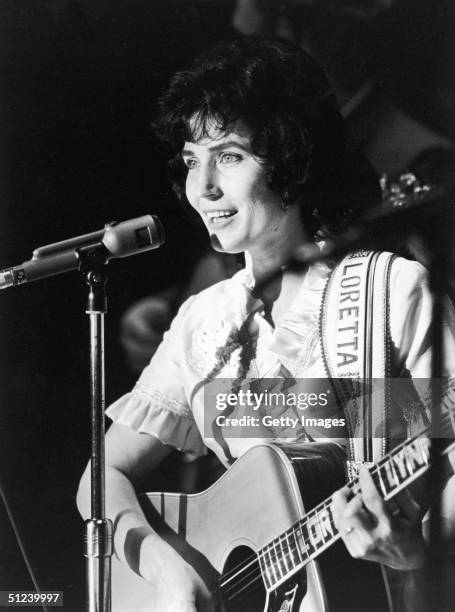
208,185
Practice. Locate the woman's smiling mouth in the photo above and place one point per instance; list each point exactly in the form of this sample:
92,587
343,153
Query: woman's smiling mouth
220,217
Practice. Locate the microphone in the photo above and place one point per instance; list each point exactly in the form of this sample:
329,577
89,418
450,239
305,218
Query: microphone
115,240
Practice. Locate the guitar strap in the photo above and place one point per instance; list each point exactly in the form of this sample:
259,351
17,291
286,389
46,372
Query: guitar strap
356,349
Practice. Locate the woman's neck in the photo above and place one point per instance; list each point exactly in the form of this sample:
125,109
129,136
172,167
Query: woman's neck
266,266
265,262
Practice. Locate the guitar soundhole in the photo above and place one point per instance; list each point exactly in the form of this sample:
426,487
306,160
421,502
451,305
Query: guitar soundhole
241,584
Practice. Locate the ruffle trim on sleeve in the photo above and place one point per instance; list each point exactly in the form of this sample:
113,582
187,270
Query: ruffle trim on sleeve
157,414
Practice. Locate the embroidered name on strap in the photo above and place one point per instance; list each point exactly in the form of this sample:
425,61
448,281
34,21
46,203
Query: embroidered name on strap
355,338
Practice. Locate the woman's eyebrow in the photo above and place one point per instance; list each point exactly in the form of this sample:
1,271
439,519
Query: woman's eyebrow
218,146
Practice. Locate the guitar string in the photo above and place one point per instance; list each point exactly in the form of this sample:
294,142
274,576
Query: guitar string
255,563
254,583
254,574
254,560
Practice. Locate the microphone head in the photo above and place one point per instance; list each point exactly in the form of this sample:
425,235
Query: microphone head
134,236
157,232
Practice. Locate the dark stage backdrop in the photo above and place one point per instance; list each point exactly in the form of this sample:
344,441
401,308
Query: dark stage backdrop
78,86
78,83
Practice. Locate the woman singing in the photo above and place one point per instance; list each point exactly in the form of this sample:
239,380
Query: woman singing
256,146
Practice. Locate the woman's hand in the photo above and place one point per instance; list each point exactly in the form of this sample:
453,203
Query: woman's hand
177,586
371,532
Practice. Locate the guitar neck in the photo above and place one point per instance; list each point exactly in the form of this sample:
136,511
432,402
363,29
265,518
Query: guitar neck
316,532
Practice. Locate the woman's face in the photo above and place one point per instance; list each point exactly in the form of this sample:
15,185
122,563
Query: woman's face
226,185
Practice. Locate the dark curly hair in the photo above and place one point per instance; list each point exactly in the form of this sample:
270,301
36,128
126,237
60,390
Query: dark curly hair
283,96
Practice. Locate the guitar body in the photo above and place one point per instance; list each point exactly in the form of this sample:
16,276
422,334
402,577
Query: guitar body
261,496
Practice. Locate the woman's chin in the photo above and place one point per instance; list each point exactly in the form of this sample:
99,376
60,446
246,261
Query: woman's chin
224,246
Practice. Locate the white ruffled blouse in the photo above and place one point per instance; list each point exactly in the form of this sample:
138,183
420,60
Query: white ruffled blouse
204,342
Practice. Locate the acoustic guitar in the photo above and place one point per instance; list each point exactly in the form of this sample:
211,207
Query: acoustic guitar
260,535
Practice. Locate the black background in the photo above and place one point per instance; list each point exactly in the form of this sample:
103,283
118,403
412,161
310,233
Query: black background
78,85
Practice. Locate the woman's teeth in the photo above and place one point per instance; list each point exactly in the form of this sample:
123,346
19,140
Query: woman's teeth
218,216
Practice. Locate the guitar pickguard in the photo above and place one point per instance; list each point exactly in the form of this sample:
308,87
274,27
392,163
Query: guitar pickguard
289,596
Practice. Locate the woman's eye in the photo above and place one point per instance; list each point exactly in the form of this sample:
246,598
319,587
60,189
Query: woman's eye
190,163
229,158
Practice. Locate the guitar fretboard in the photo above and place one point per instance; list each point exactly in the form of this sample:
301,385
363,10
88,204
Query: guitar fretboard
313,534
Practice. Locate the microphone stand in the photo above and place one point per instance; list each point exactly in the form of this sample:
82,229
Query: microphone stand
98,529
90,254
